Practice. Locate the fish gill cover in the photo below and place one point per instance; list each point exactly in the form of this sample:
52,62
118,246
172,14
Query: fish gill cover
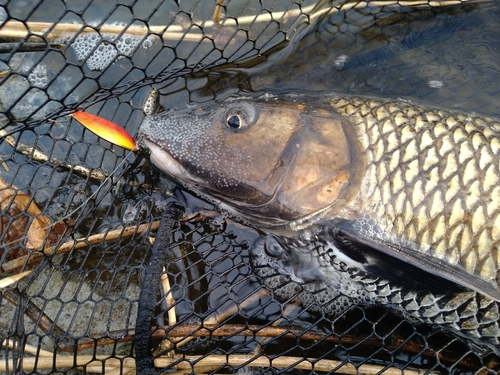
79,214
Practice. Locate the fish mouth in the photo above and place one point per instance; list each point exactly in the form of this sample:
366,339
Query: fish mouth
164,161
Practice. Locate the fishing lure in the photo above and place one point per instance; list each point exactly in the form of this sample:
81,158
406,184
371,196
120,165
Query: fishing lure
106,130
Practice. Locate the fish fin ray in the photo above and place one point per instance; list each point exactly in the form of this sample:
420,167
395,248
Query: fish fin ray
388,260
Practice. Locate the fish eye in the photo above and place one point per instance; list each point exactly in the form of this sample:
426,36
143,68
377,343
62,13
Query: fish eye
239,116
234,121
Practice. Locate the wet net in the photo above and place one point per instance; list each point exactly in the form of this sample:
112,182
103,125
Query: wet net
114,276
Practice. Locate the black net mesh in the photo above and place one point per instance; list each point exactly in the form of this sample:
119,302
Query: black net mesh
80,213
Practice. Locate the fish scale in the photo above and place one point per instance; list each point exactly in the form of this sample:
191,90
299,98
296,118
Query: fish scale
407,163
422,210
469,313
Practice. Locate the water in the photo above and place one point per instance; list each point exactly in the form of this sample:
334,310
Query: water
446,57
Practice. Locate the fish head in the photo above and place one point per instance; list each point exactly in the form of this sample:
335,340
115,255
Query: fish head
270,162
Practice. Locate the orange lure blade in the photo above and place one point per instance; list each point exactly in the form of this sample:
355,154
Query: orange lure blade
106,130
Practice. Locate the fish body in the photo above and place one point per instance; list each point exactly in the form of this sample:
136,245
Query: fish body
365,200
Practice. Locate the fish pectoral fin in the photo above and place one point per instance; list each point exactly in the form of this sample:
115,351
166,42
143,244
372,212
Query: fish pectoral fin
408,267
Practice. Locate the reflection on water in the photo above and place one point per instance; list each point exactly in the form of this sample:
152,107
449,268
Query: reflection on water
444,56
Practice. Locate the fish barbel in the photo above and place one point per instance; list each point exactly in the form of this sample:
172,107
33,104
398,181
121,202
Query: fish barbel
382,201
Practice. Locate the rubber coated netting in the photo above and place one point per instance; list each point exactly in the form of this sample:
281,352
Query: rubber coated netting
81,214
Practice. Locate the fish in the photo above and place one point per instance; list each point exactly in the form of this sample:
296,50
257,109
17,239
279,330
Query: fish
360,200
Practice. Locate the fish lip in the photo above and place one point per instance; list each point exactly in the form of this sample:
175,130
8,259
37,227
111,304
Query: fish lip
166,162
